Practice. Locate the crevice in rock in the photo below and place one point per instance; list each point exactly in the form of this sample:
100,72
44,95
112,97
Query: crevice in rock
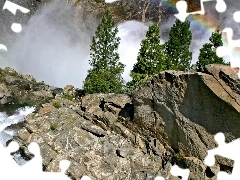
94,131
168,77
226,168
102,103
83,108
225,79
114,105
178,159
70,175
209,172
127,111
79,93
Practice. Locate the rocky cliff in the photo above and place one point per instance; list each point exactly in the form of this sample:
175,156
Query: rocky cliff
172,119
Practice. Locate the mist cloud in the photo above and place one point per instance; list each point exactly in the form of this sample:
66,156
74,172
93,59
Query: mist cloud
55,49
54,45
131,34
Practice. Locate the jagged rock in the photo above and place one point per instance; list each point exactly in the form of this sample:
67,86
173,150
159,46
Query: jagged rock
45,110
171,119
68,88
29,77
23,134
124,152
94,130
22,89
55,90
197,168
185,110
98,154
11,80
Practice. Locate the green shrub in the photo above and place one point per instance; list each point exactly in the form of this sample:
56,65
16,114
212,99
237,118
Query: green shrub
53,127
69,97
56,104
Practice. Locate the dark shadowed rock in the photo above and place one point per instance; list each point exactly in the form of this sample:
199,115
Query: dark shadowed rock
124,152
94,130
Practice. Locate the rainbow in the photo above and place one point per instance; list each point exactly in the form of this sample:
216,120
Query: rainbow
209,23
201,22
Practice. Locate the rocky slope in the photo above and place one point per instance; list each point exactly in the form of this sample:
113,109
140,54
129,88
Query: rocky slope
172,119
18,90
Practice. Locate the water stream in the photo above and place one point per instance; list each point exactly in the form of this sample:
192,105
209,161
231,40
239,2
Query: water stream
6,121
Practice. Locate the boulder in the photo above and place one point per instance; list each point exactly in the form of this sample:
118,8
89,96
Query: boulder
185,110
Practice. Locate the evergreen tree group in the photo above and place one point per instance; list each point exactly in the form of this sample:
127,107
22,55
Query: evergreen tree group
105,73
154,57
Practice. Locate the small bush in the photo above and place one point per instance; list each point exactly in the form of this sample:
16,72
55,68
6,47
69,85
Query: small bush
68,96
53,127
56,104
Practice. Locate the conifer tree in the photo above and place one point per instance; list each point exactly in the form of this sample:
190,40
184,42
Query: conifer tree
208,51
151,58
105,74
177,47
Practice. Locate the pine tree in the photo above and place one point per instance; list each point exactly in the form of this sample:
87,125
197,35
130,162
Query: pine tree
151,58
105,74
208,51
177,47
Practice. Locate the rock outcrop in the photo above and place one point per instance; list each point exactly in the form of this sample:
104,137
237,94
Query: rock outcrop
170,120
18,90
89,134
185,110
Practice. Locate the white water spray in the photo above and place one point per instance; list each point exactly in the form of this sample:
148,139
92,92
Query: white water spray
6,121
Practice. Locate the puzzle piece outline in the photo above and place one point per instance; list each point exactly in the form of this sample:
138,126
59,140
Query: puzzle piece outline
16,27
182,8
176,171
227,150
32,168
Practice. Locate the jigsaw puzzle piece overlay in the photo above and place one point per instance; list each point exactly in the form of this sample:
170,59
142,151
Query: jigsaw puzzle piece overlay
35,166
32,169
16,27
176,171
12,7
182,9
229,50
7,163
227,150
236,16
110,1
3,47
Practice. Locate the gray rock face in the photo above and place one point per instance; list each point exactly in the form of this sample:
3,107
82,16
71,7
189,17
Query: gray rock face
91,144
185,110
124,152
172,119
18,90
